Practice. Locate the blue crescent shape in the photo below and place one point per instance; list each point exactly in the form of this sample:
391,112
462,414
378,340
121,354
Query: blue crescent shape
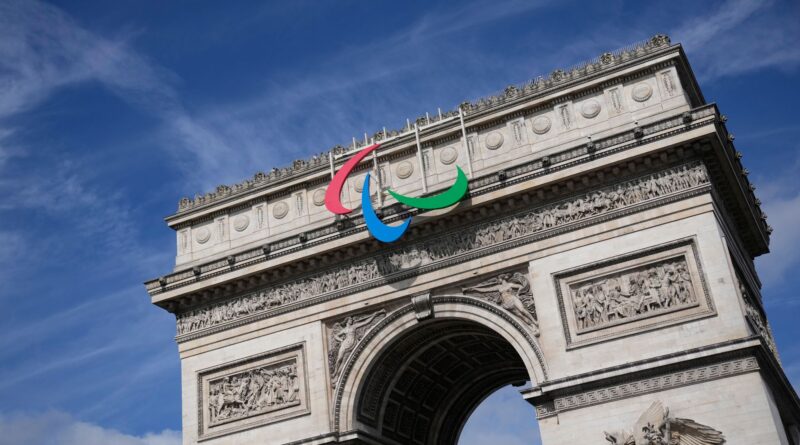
378,229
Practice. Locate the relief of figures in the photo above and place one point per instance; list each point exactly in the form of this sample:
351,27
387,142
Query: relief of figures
656,427
448,246
644,290
512,292
343,338
252,392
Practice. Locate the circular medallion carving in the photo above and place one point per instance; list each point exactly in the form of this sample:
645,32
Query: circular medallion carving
404,169
280,210
318,197
642,92
590,109
241,222
202,235
541,125
448,155
358,184
494,140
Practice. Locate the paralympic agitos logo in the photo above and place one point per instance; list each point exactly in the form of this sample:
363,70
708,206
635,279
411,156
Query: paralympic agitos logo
376,227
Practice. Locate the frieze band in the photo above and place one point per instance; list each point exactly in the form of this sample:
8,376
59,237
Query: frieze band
645,386
376,269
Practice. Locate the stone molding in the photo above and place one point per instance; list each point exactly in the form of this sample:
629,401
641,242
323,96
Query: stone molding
511,93
445,249
645,386
478,186
251,392
655,310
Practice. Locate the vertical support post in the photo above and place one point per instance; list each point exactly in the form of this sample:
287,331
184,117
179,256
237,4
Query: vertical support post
420,161
464,141
377,169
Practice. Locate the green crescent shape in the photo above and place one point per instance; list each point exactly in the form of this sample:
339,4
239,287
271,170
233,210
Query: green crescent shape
438,201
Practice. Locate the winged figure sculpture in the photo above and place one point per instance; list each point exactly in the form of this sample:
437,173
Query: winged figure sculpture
656,427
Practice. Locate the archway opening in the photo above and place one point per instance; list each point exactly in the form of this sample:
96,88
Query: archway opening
424,385
502,418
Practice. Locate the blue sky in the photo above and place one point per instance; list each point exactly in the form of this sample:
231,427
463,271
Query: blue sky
111,111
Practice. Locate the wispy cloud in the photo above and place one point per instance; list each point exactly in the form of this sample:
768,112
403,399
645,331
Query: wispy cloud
781,202
57,428
742,36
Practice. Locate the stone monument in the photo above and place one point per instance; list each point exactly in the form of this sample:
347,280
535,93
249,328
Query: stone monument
603,253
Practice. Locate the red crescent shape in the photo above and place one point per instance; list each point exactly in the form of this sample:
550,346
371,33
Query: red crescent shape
334,192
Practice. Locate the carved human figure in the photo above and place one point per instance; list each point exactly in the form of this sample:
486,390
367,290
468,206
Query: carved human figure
630,293
506,290
347,337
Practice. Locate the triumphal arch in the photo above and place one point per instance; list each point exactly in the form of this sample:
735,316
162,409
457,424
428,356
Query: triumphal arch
600,259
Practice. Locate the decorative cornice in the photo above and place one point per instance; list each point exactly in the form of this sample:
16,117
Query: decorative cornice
512,93
442,250
513,175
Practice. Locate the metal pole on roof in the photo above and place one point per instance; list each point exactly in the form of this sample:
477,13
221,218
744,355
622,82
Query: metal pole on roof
464,141
420,161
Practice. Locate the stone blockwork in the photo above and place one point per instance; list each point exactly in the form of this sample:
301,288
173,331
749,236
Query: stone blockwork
604,254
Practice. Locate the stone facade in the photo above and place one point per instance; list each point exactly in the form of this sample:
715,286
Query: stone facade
604,254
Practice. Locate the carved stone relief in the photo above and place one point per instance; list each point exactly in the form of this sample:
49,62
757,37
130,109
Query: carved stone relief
184,241
615,100
202,235
471,145
518,129
280,210
376,269
667,83
641,92
757,320
448,155
260,216
343,336
299,203
221,229
512,292
256,390
645,290
318,197
564,116
641,290
494,140
656,427
541,125
590,109
240,223
404,170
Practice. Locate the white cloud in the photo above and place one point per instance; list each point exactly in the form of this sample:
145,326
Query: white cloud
742,36
56,428
781,202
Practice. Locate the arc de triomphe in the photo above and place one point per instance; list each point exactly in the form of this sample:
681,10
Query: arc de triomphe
604,253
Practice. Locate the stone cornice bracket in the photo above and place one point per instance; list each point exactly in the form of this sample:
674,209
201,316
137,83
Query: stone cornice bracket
423,307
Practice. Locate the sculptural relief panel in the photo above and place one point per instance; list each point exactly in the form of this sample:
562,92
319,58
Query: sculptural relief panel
645,290
252,392
343,335
512,292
